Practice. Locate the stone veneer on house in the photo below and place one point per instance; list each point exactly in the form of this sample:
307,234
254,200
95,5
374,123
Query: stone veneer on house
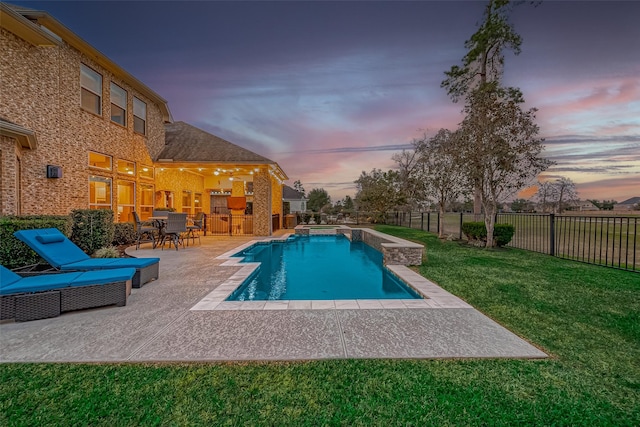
395,251
41,92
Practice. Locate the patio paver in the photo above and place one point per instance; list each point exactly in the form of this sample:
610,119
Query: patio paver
161,323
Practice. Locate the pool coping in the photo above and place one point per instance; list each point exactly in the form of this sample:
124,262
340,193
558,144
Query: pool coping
434,296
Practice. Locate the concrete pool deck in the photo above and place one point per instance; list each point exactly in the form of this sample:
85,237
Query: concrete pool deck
165,320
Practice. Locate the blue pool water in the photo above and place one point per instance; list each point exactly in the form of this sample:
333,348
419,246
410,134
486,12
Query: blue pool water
318,268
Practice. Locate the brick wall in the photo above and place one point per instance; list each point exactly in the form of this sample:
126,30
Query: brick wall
41,92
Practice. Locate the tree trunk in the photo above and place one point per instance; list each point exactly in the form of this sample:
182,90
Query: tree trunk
477,204
441,225
489,222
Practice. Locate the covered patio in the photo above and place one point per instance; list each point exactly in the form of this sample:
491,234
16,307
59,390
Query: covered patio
239,191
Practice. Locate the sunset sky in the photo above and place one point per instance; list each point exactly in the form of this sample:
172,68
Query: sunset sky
331,89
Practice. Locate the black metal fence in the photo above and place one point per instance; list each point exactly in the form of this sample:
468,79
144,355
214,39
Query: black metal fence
612,241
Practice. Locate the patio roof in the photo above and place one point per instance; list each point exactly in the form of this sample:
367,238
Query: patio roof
189,146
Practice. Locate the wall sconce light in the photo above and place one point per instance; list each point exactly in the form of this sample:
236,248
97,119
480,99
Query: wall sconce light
54,171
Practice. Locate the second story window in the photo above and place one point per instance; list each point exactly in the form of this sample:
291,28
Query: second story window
90,90
139,116
118,105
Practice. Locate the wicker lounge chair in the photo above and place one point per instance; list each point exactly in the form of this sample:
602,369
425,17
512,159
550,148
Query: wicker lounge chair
64,255
49,295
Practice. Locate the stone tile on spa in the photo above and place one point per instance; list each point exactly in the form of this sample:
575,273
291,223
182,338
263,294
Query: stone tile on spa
248,335
428,334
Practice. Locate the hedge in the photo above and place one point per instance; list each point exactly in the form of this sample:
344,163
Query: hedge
123,234
92,229
14,253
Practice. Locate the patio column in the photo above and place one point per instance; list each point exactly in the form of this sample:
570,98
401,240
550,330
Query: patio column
262,203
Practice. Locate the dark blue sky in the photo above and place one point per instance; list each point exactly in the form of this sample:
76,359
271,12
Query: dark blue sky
329,89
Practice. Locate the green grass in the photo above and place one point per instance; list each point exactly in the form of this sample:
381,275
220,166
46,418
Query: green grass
586,317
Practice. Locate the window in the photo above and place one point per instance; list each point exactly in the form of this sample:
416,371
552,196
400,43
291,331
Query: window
127,167
118,105
100,161
186,201
197,203
90,90
139,116
99,192
146,201
126,201
146,171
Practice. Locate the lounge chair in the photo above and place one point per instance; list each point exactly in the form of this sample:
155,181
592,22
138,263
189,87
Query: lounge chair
64,255
49,295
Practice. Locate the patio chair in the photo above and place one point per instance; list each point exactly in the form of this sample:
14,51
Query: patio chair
144,233
64,255
193,230
49,295
173,229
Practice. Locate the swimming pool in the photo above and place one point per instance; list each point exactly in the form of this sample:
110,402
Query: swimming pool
318,267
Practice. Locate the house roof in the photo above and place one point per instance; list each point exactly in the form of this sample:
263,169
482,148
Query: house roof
289,193
631,201
187,144
25,137
41,29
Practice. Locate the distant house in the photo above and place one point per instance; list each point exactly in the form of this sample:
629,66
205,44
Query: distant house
297,201
582,206
627,205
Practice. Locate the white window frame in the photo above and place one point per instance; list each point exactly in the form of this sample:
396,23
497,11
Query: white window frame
122,104
89,75
137,114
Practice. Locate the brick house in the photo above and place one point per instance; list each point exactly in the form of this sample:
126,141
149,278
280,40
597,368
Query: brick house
77,131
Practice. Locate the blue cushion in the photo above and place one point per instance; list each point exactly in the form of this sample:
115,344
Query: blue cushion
110,263
101,277
50,238
59,251
44,282
7,277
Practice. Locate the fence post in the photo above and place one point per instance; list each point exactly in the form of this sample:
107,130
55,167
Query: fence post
438,225
461,213
409,219
428,221
422,221
204,224
552,235
230,225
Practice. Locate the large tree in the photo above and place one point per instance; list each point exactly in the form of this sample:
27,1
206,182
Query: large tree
318,199
378,192
502,152
439,159
564,192
297,185
544,195
413,182
482,66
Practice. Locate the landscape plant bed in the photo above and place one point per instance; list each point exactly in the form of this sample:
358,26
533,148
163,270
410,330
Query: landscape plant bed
585,317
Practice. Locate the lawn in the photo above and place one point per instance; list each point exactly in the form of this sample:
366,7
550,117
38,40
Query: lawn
586,317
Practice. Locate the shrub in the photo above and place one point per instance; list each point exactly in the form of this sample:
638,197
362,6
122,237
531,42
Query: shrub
108,252
503,233
14,253
477,232
92,229
123,234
